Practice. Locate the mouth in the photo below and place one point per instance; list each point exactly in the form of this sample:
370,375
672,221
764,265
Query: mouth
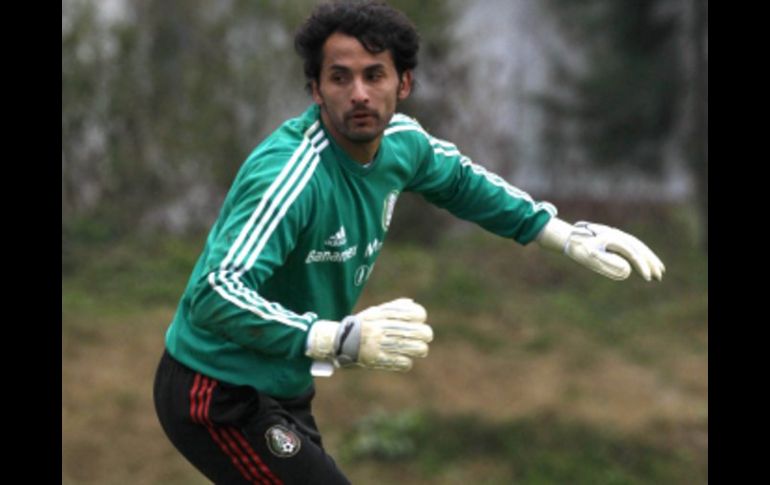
361,116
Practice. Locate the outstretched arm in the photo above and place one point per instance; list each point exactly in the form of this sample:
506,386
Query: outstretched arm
606,250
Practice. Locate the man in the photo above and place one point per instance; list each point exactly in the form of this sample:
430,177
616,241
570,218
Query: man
269,302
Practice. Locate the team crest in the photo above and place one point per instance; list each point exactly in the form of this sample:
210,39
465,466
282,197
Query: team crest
282,442
387,208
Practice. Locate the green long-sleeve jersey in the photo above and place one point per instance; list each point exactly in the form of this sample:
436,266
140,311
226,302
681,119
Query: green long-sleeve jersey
298,235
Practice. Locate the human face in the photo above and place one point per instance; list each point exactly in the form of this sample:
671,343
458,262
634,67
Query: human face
358,92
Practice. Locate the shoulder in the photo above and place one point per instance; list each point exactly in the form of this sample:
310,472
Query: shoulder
405,135
285,162
292,146
403,128
296,138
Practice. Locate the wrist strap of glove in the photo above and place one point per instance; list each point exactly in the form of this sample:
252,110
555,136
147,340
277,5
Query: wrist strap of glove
555,235
348,341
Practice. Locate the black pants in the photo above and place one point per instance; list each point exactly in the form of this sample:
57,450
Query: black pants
234,434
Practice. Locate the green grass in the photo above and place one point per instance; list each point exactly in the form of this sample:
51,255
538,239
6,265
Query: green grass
129,275
539,449
620,395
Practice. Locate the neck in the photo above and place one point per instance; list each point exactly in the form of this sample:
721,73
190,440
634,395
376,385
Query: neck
361,152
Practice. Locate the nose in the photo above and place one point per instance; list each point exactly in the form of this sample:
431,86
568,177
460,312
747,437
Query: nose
359,95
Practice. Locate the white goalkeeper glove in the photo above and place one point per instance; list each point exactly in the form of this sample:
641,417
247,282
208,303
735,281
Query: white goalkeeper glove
386,336
604,249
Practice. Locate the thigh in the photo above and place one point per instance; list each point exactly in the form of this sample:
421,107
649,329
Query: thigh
287,448
233,434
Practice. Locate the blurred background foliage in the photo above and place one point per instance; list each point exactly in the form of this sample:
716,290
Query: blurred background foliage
162,101
542,372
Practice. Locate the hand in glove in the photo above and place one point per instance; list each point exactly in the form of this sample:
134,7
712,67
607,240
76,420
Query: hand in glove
386,336
604,249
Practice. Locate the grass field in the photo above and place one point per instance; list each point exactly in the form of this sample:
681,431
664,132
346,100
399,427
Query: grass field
540,371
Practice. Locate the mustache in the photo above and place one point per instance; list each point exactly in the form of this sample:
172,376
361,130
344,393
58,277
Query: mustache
361,111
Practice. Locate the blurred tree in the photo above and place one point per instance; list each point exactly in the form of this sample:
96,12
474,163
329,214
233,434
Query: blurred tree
627,95
697,148
170,120
624,102
162,104
83,108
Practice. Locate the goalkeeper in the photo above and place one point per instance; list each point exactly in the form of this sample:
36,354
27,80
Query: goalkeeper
269,302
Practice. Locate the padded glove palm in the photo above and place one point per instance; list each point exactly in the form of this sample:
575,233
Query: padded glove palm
606,250
386,336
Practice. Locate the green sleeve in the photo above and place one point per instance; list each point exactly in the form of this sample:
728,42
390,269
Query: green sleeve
450,180
265,211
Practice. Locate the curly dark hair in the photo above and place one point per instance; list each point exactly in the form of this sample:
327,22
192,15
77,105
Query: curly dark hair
375,24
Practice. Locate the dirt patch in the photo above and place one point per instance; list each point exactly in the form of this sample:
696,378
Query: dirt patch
573,379
110,433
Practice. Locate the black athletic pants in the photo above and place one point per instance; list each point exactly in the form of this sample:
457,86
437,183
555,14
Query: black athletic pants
234,434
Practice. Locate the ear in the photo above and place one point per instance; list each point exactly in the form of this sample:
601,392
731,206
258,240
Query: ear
405,85
316,92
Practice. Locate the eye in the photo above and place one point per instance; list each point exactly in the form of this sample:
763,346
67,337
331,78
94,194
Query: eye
338,77
375,75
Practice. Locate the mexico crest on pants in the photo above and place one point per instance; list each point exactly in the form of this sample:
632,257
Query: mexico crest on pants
282,442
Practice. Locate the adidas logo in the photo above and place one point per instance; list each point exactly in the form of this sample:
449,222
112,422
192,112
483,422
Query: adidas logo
337,239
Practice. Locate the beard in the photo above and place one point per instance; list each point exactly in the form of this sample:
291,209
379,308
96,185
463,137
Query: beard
360,124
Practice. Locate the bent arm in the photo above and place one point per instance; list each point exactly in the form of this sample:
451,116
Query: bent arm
259,226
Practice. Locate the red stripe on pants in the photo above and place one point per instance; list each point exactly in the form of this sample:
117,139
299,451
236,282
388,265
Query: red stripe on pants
193,398
242,440
200,405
